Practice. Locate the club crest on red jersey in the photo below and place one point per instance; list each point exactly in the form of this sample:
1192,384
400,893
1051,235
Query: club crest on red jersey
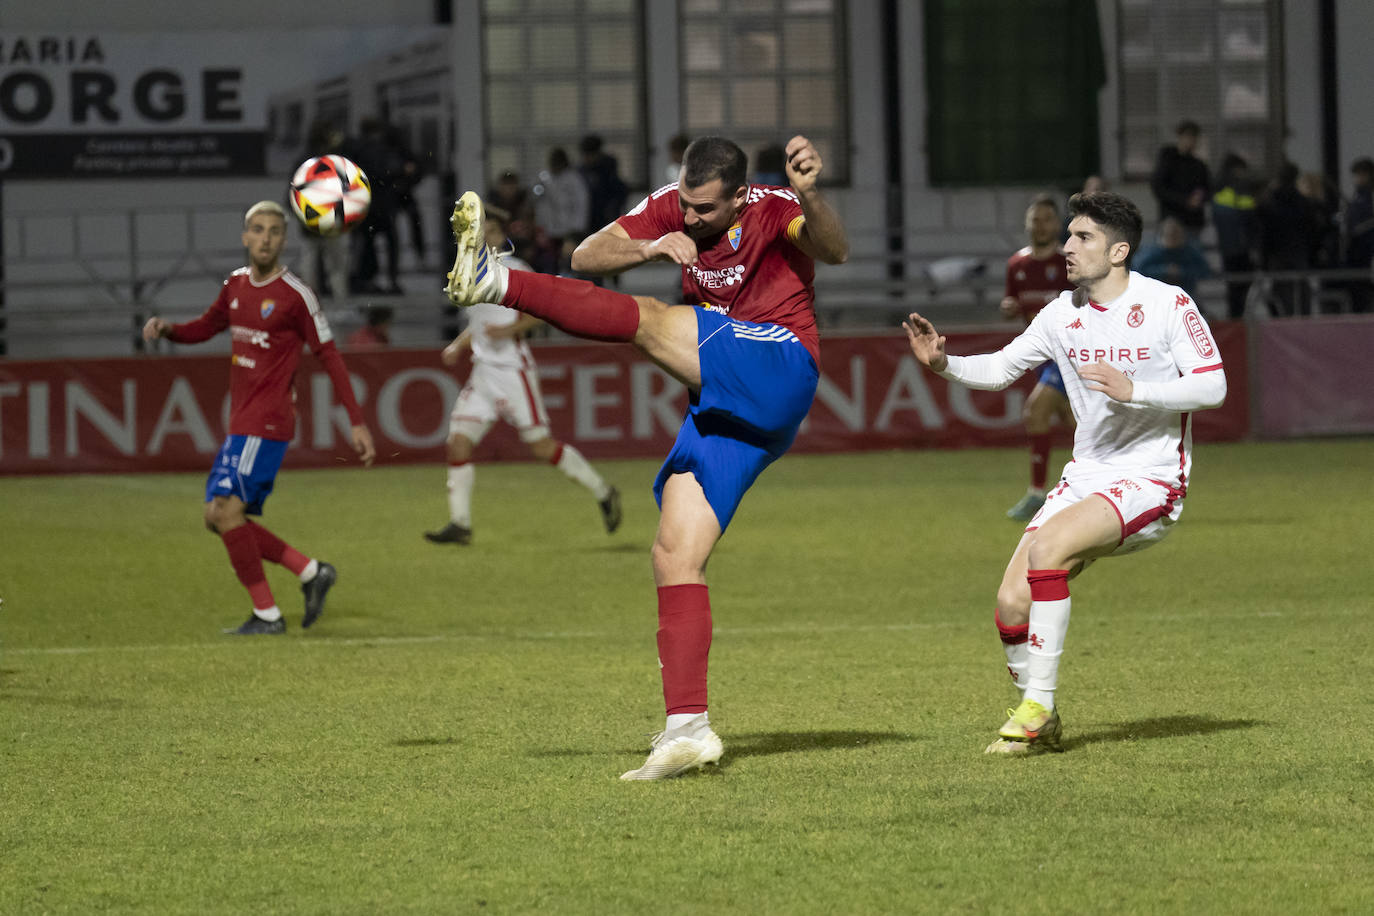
734,236
1136,316
267,307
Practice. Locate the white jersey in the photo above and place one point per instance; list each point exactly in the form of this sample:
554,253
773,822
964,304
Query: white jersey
506,352
1155,334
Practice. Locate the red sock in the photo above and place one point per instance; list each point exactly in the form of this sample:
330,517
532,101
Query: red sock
1040,459
684,642
575,307
1011,635
1048,584
247,563
275,550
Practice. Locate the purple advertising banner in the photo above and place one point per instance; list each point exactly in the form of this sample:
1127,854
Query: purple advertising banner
1315,376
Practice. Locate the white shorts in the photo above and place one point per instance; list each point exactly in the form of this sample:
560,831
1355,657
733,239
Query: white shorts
1147,508
494,393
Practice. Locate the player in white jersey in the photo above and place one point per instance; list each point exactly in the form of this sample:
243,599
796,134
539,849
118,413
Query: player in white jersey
1137,357
504,385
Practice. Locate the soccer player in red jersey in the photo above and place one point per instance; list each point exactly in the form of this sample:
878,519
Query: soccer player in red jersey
746,348
270,313
1035,276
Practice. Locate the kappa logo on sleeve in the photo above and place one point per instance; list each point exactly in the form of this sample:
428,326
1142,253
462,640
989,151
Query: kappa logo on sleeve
1197,333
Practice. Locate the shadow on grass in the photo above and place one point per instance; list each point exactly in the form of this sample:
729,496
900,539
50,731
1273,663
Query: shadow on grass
764,743
1161,727
423,742
616,547
759,744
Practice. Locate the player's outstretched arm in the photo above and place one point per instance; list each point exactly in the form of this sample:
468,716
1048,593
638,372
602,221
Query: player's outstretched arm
156,327
927,345
454,351
362,444
611,250
822,236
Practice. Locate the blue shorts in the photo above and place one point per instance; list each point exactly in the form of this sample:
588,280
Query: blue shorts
246,467
1050,378
757,385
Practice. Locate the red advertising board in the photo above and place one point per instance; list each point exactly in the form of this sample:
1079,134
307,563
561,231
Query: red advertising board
163,413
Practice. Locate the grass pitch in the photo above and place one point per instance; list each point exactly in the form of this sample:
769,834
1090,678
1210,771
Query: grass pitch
448,737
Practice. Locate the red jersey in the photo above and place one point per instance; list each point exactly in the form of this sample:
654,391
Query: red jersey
269,320
754,271
1035,283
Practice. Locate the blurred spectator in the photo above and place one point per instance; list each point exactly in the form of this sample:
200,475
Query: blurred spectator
1288,236
604,184
408,175
1358,226
376,334
561,204
326,263
382,165
677,145
1174,258
1237,224
1180,180
515,199
1325,201
770,165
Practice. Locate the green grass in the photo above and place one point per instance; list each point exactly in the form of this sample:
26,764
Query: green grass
447,738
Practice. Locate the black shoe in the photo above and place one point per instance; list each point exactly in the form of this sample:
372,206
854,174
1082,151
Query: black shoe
452,533
256,626
315,590
610,510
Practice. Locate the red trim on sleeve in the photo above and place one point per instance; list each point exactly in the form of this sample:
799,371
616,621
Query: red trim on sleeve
1211,368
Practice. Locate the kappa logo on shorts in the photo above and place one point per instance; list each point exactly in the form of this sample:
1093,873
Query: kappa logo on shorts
1036,641
1136,316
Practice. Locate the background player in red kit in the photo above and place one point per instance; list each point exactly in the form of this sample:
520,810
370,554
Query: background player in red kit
270,313
1035,276
747,350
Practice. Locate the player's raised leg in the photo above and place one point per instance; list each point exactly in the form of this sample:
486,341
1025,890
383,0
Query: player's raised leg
687,532
667,334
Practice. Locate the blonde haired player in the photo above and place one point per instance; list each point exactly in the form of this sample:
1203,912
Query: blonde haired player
1137,358
269,313
504,384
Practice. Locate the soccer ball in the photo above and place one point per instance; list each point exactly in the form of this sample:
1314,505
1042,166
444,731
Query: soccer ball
330,194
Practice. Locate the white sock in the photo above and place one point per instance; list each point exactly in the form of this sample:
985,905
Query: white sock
1049,624
1018,664
683,719
267,613
309,572
460,478
578,469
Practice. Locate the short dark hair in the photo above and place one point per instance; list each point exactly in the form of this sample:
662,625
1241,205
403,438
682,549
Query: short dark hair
1116,214
1187,126
708,158
1363,165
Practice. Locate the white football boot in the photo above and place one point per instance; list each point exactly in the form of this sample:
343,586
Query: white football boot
677,751
478,274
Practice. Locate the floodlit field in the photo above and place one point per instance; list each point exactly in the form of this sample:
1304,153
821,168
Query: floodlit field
448,737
